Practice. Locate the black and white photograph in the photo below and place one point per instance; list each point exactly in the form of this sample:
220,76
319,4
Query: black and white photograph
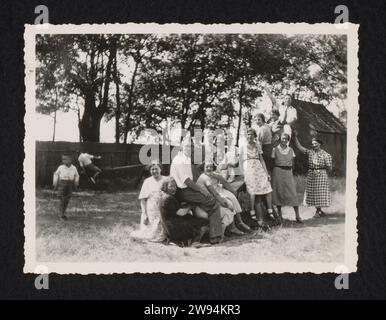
191,148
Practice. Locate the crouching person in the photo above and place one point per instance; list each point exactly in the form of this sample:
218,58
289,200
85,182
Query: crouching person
66,177
87,165
188,191
180,226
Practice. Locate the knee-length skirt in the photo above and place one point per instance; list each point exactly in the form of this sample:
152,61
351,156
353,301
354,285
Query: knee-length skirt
284,188
256,179
231,197
317,189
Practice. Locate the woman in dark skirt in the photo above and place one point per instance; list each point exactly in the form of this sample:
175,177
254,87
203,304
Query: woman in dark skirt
181,227
283,182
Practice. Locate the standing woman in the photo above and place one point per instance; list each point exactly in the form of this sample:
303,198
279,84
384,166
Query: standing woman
264,137
283,182
150,196
256,176
317,187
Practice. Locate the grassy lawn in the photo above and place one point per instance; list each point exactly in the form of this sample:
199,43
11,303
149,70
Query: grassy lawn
100,223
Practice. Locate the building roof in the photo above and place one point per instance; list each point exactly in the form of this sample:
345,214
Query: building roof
317,115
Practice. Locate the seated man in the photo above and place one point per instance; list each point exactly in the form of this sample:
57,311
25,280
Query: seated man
85,162
189,191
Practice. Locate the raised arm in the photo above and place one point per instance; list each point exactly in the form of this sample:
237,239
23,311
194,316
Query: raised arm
271,97
283,118
297,143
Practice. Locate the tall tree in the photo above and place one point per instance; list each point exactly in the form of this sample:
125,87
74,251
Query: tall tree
249,59
137,49
317,67
117,82
144,81
85,63
51,84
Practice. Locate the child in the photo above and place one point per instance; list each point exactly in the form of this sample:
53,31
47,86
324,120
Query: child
276,127
85,162
65,178
228,165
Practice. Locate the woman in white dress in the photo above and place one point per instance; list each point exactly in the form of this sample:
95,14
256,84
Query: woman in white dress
224,194
150,196
256,177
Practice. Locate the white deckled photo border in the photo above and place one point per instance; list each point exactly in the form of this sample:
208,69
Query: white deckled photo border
350,250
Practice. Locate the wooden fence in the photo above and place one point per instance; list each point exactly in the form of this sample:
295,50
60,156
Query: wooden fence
48,158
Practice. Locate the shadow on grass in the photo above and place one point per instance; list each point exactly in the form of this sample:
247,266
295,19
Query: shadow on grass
329,219
236,241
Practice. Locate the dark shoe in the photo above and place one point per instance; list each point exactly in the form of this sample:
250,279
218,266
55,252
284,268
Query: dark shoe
253,214
317,214
216,240
63,218
244,227
277,220
299,220
322,213
263,226
236,231
198,245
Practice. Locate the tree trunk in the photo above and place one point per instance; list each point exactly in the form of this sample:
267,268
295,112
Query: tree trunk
92,116
90,123
79,121
241,94
118,100
91,129
130,99
56,109
54,131
249,118
125,134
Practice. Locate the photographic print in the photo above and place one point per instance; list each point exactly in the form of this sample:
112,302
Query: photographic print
191,148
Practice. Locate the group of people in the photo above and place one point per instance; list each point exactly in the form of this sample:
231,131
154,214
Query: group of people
181,208
192,202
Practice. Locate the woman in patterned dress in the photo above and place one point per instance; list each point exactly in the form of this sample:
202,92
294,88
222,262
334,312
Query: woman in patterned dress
256,177
150,195
317,192
283,182
225,195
